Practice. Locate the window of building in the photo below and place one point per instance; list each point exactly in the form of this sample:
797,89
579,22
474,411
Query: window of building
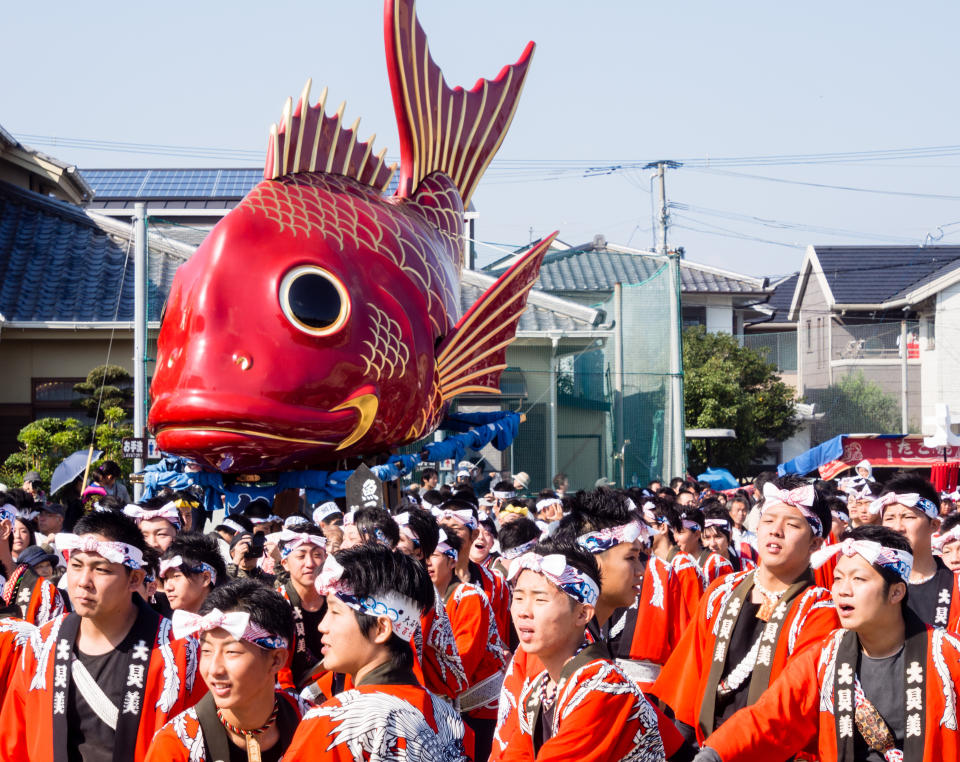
694,316
809,333
55,398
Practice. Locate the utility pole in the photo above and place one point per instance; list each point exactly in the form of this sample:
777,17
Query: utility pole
618,437
139,330
904,356
674,438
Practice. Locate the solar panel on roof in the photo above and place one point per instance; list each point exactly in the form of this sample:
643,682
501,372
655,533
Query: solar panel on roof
179,183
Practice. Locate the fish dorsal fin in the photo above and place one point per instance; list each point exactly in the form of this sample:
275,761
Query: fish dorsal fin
472,356
450,130
307,140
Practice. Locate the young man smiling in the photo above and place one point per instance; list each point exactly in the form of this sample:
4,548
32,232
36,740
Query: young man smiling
374,599
908,505
244,630
580,706
750,624
882,688
99,682
302,553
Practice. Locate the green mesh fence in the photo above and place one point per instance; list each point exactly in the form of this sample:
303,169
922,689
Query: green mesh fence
582,419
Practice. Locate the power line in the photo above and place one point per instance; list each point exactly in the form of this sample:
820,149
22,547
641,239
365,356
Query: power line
784,225
827,186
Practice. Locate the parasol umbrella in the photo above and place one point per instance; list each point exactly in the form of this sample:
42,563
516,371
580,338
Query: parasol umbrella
70,468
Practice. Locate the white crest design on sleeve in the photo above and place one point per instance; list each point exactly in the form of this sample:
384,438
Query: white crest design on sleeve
171,676
396,718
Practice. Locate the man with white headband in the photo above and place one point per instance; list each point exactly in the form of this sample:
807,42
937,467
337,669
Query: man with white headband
189,570
627,621
947,542
101,681
374,600
481,649
580,706
882,688
690,541
328,514
750,625
459,517
859,500
302,554
244,630
663,519
640,604
159,520
908,505
435,644
717,536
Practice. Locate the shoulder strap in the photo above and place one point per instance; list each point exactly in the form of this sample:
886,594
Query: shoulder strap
215,740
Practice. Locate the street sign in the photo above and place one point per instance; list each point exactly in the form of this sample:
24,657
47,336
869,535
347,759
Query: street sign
152,452
133,447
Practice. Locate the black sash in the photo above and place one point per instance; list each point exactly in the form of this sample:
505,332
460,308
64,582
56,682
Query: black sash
915,683
941,612
303,660
533,706
22,593
216,740
769,637
143,634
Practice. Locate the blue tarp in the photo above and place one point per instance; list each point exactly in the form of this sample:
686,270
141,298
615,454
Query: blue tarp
812,459
499,429
719,479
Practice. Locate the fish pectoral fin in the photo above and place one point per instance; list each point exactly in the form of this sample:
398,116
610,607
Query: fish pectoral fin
366,405
444,129
472,356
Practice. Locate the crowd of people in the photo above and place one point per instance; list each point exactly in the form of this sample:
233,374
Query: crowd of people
789,619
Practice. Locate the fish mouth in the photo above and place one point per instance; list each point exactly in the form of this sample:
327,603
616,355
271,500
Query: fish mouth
271,435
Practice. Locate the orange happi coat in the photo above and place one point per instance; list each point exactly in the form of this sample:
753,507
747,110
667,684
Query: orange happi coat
683,681
798,708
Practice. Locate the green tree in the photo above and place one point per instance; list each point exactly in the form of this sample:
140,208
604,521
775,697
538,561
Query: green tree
45,442
854,404
107,386
727,386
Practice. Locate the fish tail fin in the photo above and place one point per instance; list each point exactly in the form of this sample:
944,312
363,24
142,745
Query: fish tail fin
450,130
307,140
472,356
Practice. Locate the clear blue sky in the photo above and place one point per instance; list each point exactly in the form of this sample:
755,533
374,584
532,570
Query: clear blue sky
611,83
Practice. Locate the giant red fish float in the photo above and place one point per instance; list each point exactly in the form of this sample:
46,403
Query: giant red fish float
320,319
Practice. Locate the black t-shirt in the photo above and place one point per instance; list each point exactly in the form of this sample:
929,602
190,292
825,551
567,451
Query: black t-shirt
882,681
239,753
311,630
922,598
745,632
89,738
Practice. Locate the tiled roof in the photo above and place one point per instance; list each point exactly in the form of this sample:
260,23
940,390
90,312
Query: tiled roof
875,274
780,300
598,268
60,264
543,312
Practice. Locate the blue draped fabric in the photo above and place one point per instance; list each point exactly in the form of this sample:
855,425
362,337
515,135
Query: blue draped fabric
812,459
498,429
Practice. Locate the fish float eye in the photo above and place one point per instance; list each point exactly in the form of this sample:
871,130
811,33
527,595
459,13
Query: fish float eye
314,300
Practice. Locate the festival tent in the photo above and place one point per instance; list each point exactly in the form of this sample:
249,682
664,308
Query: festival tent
882,450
